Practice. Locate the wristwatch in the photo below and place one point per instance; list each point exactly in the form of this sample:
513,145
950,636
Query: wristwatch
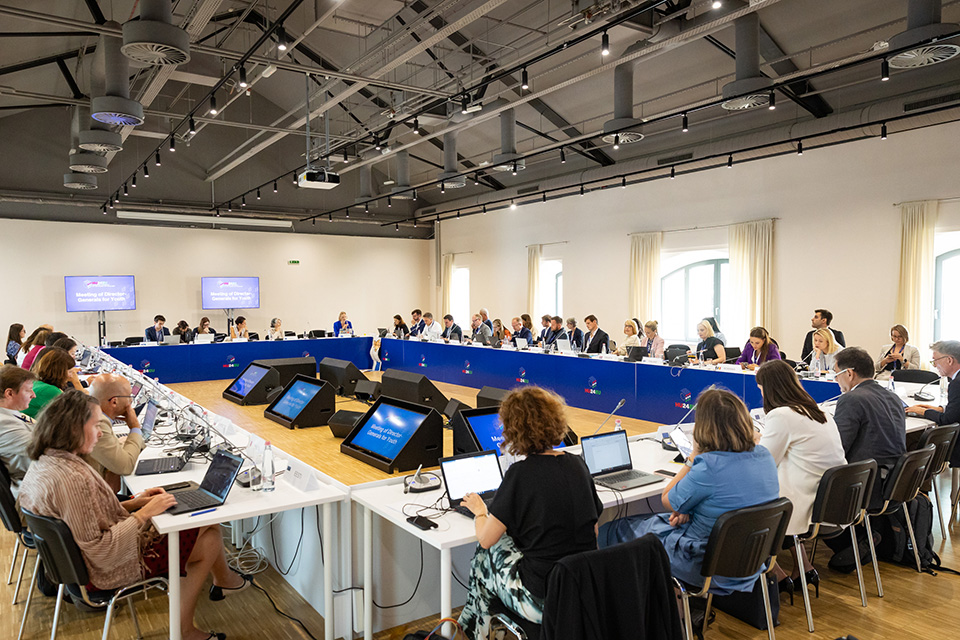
688,462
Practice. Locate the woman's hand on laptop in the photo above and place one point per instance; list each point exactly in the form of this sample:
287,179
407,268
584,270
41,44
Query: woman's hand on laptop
155,506
473,502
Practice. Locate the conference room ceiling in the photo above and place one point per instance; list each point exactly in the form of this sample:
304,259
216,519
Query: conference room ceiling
377,64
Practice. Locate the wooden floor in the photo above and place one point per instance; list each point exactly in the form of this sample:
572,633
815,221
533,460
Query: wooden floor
916,606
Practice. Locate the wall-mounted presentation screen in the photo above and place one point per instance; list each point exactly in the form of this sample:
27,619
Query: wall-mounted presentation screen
100,293
230,293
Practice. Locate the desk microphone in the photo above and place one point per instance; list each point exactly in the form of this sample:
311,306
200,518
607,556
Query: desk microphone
622,402
920,395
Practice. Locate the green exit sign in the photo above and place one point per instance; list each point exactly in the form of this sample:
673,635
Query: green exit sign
293,262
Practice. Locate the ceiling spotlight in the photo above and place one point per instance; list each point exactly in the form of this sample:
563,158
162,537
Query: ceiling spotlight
524,81
563,156
346,159
258,193
243,200
366,207
230,206
717,4
243,76
686,124
173,143
514,168
157,158
605,45
513,206
376,142
799,147
581,191
348,213
146,171
125,192
193,126
330,217
414,223
616,142
464,104
458,214
772,104
274,186
313,221
414,194
544,196
281,39
104,209
389,202
484,209
397,226
443,187
113,201
218,212
883,131
730,161
213,106
673,173
476,179
623,182
416,126
133,180
884,70
295,178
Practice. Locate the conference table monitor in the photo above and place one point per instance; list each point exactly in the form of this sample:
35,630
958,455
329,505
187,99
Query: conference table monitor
253,386
305,402
477,430
396,435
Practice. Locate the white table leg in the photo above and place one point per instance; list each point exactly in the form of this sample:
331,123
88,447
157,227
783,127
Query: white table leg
327,572
446,573
173,556
367,574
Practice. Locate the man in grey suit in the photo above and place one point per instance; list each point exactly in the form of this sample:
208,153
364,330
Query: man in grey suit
480,330
946,359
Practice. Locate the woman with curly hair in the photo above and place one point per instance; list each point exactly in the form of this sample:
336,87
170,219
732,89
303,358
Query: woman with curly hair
546,509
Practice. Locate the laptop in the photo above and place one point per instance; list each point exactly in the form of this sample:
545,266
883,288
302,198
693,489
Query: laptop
521,343
382,331
204,338
477,472
563,345
170,464
636,354
215,486
608,459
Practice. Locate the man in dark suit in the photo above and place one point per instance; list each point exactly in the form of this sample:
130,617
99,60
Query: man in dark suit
946,359
485,317
821,320
152,334
520,331
575,334
416,323
595,340
545,332
556,332
451,331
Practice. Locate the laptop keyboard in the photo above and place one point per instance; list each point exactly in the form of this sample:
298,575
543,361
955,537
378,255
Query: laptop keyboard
462,509
193,499
624,476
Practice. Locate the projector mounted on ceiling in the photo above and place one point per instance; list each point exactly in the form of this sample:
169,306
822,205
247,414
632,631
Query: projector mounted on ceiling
318,179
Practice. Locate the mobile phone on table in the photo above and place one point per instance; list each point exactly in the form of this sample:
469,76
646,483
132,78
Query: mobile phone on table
422,522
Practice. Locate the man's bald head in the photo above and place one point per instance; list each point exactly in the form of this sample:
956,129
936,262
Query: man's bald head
112,392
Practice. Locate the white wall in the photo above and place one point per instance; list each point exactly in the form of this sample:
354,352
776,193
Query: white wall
370,278
837,238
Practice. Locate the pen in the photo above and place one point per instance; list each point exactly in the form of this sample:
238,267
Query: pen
200,513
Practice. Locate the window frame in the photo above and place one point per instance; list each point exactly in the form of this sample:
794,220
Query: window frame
938,290
717,264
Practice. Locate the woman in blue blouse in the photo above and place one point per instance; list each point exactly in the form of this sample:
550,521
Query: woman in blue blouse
15,340
342,325
726,471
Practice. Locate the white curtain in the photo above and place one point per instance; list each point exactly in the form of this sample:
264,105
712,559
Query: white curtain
446,293
918,221
534,253
645,275
751,275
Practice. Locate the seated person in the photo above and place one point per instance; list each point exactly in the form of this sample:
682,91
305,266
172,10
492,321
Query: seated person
451,330
726,471
479,329
157,331
946,360
400,328
652,341
545,331
716,330
32,347
596,339
520,331
575,334
15,340
431,330
630,330
55,371
500,332
16,429
203,327
759,349
485,316
112,457
417,323
239,329
898,354
183,330
709,350
556,332
116,541
527,321
276,329
69,345
342,325
825,351
546,509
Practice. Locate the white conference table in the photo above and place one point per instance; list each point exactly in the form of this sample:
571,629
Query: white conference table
241,503
903,390
386,499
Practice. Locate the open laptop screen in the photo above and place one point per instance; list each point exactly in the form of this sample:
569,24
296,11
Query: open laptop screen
606,452
221,474
472,473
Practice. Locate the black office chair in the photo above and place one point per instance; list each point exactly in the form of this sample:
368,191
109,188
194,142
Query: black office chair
253,335
116,344
290,334
10,360
944,439
65,566
10,516
732,353
842,498
792,363
676,354
902,486
319,333
219,337
132,340
914,375
741,542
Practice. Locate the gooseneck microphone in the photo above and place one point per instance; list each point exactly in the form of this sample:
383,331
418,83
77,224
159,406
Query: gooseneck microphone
622,402
920,395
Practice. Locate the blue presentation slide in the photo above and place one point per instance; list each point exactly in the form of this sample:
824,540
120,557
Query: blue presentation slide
489,431
295,399
387,430
100,293
230,293
248,379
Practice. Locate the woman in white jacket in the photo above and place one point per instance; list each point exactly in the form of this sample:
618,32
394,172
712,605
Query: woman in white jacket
898,354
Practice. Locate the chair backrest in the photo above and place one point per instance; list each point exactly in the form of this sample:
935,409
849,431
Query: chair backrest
8,504
844,492
133,340
676,353
908,474
944,439
742,540
914,375
61,555
731,352
253,335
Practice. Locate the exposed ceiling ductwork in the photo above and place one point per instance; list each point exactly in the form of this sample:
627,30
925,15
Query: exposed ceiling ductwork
82,161
401,190
449,178
923,24
366,180
153,39
508,159
98,137
115,106
751,88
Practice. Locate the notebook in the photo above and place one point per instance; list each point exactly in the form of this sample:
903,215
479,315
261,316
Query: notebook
216,484
608,459
477,472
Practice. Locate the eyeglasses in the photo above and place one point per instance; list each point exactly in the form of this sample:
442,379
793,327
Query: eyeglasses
934,361
114,397
841,371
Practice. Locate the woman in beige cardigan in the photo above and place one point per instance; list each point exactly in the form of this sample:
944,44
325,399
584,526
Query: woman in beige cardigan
898,354
115,538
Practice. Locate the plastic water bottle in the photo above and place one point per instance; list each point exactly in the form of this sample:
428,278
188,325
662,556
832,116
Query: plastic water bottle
266,469
944,382
617,426
890,383
815,367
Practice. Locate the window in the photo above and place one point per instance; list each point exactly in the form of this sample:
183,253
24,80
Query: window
946,314
551,287
691,293
460,296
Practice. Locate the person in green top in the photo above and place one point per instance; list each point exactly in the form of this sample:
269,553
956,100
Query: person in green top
55,370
